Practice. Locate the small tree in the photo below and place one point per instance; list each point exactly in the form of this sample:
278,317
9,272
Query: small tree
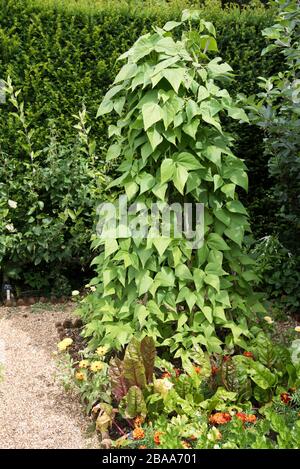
279,116
170,141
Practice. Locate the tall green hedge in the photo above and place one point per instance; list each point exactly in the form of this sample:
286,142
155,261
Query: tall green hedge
64,57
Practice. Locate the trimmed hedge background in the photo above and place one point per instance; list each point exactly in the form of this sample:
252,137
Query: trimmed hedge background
63,55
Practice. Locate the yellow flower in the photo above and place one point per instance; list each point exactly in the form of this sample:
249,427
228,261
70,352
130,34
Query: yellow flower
83,364
101,351
64,344
80,376
96,366
297,328
268,319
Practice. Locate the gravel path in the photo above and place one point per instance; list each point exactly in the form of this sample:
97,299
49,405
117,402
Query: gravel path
35,410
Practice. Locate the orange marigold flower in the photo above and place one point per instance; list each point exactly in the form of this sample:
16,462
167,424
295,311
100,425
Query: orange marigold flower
166,374
251,418
285,397
156,437
197,369
220,418
241,416
138,421
248,354
142,447
185,444
214,370
138,433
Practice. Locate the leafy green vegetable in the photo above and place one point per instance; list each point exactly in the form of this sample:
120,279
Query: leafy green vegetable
133,365
134,403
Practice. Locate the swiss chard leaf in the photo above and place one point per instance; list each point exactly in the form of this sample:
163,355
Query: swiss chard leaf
133,404
148,353
116,374
133,365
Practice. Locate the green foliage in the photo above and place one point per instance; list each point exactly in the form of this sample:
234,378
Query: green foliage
286,426
192,410
133,366
295,352
64,53
181,432
47,201
104,419
172,148
279,270
92,382
260,375
130,377
278,115
235,377
268,431
133,404
96,6
189,406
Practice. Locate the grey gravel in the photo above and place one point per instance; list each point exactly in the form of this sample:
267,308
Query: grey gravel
35,410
